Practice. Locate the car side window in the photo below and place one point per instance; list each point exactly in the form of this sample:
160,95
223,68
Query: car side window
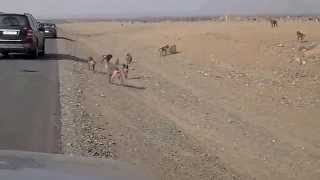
34,22
31,22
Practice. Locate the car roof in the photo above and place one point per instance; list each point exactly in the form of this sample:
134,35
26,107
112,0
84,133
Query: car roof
15,14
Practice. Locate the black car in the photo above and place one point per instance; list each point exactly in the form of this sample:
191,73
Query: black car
20,33
50,30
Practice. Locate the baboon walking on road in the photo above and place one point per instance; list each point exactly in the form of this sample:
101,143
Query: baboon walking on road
274,23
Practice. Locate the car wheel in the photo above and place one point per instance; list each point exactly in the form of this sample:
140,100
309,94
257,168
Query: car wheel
5,54
34,53
43,50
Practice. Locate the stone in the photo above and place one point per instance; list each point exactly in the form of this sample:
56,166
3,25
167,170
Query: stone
280,45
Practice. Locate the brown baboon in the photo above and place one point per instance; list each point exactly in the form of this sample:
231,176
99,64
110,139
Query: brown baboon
113,71
125,70
105,60
129,58
274,23
164,50
300,36
173,49
91,64
125,67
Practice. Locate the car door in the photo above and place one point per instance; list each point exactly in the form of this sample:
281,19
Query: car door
40,33
32,26
37,33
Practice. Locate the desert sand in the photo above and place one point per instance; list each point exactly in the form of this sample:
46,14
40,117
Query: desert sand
239,101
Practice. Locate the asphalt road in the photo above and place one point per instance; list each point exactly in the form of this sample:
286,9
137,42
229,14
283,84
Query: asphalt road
29,103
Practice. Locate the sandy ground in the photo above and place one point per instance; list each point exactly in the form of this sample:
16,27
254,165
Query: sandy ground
239,100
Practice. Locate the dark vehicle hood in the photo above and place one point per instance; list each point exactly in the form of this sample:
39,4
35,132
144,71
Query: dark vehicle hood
15,165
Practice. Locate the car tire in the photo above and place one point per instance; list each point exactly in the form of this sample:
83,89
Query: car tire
43,50
34,53
5,54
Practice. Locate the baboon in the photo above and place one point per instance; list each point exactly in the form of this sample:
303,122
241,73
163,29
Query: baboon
125,67
116,74
125,70
164,50
300,36
173,49
274,23
91,64
105,60
129,58
113,70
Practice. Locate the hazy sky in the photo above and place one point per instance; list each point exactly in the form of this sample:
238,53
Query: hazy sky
83,8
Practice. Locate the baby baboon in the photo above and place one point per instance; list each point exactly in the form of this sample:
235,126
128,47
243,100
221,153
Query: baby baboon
274,23
300,36
164,50
173,49
91,64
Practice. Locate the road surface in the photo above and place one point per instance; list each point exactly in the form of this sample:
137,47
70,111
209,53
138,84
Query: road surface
29,103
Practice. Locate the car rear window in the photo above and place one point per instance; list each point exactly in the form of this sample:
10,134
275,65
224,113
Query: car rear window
13,21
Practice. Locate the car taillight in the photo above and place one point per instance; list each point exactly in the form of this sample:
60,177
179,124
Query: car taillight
28,33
